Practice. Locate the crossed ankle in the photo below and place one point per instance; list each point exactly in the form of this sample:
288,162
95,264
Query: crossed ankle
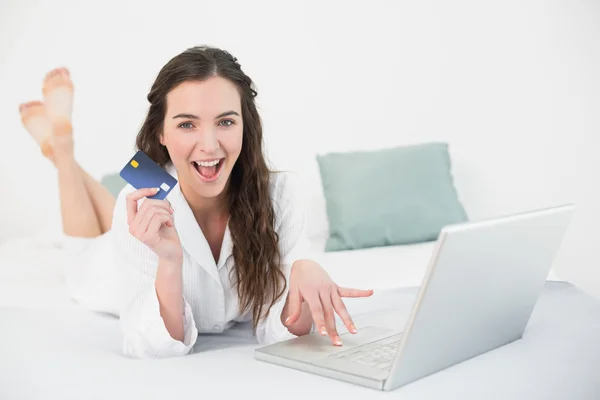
62,127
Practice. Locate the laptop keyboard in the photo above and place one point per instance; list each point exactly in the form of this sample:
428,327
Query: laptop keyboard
379,354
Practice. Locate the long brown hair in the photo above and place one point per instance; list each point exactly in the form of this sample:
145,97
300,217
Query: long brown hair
258,278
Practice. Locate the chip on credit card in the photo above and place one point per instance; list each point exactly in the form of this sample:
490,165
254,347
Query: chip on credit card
143,172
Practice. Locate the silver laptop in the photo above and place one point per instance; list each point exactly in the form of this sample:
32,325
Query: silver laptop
478,294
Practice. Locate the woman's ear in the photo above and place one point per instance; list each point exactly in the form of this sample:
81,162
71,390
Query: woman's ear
161,139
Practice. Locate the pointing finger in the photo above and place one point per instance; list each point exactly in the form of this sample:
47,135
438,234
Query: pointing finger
347,292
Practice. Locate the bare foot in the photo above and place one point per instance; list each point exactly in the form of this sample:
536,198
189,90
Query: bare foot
35,118
58,94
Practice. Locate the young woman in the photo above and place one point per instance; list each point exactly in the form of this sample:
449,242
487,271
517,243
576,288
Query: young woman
226,246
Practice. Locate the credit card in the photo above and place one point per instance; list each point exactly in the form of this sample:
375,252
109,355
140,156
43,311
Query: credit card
143,172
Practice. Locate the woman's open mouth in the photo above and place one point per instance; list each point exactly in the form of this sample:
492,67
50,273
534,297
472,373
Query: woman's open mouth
209,171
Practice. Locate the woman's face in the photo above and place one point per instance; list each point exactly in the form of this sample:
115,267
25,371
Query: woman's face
203,134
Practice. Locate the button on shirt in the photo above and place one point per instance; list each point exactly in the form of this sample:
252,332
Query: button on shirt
209,298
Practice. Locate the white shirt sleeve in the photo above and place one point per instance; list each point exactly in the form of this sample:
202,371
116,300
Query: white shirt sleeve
143,329
293,245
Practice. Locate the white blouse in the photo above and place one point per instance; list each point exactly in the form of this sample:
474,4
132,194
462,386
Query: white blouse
210,300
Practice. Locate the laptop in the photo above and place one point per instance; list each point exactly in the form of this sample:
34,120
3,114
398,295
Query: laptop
478,294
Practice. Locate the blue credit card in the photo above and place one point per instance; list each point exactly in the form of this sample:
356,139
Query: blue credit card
143,172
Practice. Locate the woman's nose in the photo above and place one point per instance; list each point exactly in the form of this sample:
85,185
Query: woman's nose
208,140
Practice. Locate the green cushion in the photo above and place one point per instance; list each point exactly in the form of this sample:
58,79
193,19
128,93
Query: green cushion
114,183
393,196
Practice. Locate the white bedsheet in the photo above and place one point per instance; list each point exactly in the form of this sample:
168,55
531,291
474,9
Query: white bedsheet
52,349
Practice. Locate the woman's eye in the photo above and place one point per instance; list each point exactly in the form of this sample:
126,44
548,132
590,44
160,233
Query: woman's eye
226,122
186,125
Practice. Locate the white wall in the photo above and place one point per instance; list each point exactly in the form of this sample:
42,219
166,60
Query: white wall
513,86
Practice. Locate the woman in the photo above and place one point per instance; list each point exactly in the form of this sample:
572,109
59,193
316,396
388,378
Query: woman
228,245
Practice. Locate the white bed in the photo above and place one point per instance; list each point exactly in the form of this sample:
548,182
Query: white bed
50,348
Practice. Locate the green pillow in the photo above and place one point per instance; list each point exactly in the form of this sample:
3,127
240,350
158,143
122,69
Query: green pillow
386,197
114,183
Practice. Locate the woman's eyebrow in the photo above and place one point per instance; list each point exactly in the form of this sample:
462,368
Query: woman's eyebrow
226,113
187,116
192,116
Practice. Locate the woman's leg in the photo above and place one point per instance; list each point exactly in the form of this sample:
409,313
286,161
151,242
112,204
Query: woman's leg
102,200
58,95
77,212
77,209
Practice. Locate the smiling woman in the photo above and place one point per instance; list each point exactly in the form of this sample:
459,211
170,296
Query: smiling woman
210,169
220,132
227,246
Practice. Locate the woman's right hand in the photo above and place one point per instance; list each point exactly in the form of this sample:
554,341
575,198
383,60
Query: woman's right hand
153,224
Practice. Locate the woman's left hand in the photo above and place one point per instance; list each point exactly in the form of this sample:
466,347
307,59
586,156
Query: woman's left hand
310,284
